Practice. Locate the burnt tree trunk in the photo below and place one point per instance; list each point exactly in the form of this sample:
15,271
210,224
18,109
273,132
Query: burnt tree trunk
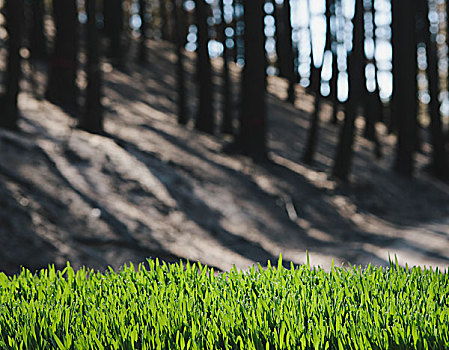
92,119
9,112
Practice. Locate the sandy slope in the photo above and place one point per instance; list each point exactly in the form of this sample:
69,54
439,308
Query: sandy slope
151,188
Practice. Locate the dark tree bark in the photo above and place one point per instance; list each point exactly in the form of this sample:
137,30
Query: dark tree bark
165,30
251,139
205,117
92,119
289,55
343,158
440,164
405,106
143,55
235,27
113,26
312,137
447,41
395,43
314,78
226,125
373,108
333,83
9,112
180,73
37,37
61,87
284,46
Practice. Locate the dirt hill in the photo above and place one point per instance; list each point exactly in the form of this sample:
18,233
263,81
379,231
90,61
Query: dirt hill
150,188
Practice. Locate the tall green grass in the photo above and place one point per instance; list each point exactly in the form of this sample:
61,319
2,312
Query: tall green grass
191,307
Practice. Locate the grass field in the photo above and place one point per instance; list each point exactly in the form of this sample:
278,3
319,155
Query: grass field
191,307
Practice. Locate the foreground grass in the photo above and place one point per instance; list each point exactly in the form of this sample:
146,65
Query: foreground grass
190,307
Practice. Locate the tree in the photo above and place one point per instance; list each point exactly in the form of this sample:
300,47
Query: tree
142,55
405,87
113,26
333,83
61,86
204,118
165,28
314,78
226,125
356,65
92,119
14,15
251,139
373,107
284,46
179,36
312,137
440,166
37,37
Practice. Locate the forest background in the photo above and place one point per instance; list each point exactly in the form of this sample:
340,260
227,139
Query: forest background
226,132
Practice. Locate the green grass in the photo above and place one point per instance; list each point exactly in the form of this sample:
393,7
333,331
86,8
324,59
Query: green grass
191,307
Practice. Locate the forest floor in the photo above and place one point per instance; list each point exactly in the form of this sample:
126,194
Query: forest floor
151,188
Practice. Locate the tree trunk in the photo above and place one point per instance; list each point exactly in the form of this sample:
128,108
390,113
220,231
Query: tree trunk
235,26
92,119
14,15
61,86
226,126
165,31
314,79
284,46
439,155
142,55
205,118
333,83
289,55
180,74
395,44
343,158
38,40
113,24
252,135
372,103
405,106
312,136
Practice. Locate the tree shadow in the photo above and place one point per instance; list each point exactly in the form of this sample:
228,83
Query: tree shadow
196,209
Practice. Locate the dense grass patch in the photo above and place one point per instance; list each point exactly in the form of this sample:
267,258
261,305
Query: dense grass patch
190,307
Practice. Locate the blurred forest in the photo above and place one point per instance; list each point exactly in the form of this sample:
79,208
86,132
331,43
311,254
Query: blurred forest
223,131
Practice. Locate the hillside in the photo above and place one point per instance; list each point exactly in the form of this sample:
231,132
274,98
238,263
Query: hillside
150,188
